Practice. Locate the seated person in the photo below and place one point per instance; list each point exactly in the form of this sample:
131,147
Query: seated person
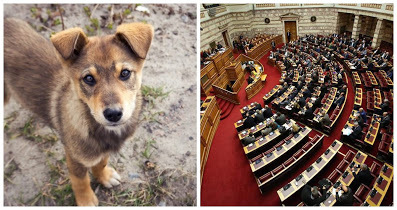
308,114
363,114
258,106
346,199
259,116
271,127
219,46
339,101
385,105
356,134
248,139
267,112
385,120
280,119
250,80
249,121
362,177
295,128
311,196
324,120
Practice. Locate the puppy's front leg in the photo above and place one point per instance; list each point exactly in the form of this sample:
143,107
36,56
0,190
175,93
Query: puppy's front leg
105,175
78,174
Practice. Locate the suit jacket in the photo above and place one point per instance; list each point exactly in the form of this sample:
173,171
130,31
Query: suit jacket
248,140
281,119
267,113
363,177
356,132
249,122
259,118
325,120
308,200
346,199
309,113
340,101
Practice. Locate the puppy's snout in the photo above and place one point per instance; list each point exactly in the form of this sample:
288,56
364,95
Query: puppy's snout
113,115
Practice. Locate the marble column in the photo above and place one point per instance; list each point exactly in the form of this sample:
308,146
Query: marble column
356,26
378,34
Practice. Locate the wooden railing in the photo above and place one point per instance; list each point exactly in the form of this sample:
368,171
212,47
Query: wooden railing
226,95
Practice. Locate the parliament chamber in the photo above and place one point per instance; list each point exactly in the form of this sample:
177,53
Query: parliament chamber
296,104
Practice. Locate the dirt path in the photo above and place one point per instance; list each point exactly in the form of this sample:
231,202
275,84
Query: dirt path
158,165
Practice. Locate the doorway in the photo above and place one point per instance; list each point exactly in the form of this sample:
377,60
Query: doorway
290,26
226,38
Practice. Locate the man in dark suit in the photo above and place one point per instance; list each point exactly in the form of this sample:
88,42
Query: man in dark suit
248,139
311,196
267,112
250,80
363,114
259,116
308,113
346,199
356,134
338,102
249,121
385,120
289,36
362,177
280,119
273,45
385,105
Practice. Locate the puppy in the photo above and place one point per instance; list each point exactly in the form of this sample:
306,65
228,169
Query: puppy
87,88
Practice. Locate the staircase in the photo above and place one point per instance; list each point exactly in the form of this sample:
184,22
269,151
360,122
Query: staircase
225,106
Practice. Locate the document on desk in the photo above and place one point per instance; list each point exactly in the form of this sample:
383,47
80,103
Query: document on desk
347,131
334,192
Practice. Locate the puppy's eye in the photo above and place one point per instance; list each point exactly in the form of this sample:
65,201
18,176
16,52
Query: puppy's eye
89,80
125,74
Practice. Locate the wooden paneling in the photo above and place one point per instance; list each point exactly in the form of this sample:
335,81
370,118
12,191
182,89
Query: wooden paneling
291,26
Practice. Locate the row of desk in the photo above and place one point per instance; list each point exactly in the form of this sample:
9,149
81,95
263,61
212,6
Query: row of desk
382,184
297,183
280,151
358,98
346,178
328,103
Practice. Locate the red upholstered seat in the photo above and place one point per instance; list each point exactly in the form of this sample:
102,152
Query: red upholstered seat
315,139
279,144
307,146
269,151
298,154
361,193
342,165
277,170
375,169
334,176
265,177
256,158
386,137
383,148
349,156
288,137
288,162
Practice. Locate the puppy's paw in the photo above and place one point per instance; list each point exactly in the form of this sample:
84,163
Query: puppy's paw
86,198
109,177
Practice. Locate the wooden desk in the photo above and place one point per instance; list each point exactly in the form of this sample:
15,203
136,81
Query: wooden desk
388,80
297,183
358,98
347,180
373,130
296,76
267,96
327,105
380,188
261,142
377,98
209,121
266,160
249,106
356,77
372,78
284,95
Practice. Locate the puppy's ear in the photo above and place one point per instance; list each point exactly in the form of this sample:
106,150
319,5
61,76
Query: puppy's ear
69,42
138,37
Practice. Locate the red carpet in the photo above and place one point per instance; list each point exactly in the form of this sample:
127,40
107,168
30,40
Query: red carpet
227,178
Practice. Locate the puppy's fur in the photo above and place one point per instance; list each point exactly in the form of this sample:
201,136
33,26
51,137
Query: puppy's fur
49,79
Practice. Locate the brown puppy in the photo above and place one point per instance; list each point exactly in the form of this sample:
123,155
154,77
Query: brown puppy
87,88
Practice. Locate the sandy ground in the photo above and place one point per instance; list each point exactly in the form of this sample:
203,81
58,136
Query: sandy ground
157,165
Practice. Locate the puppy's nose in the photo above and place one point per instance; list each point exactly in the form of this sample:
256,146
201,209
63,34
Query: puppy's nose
113,115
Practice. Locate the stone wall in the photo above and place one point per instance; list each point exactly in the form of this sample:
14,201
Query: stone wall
248,23
387,31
